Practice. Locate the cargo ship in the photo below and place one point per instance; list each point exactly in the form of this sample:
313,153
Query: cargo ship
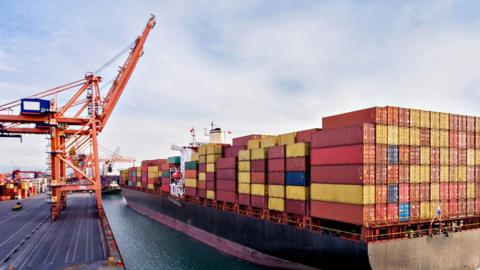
379,188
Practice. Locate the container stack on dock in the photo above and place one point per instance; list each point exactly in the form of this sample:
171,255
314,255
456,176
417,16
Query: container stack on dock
226,176
276,175
214,152
297,178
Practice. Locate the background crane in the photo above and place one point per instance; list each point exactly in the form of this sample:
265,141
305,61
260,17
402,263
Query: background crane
74,126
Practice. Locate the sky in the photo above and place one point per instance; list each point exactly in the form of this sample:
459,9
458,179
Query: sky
268,67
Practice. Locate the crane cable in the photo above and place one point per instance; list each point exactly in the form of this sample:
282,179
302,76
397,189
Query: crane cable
115,57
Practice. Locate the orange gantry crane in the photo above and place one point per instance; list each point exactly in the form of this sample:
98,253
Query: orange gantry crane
72,127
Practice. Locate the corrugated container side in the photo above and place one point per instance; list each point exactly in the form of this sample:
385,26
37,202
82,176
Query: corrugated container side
348,213
358,134
375,115
343,174
404,117
354,154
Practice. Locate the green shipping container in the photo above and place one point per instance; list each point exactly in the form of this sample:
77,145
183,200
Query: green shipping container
173,160
191,165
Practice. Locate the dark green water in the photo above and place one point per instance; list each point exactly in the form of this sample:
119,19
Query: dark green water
146,244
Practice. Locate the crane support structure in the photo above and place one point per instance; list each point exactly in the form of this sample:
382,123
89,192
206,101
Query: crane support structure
74,127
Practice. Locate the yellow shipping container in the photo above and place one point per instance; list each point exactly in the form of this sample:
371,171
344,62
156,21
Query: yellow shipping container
297,150
434,206
369,194
139,184
297,193
152,175
277,191
424,173
211,167
213,148
244,166
259,153
435,137
243,188
392,134
152,169
444,156
258,189
414,174
425,119
195,156
434,120
351,194
212,158
268,141
403,136
276,204
202,159
288,138
253,144
244,155
202,176
434,191
444,173
202,149
462,173
424,155
477,124
190,182
414,118
415,136
211,194
381,134
477,156
470,156
444,121
444,138
244,177
453,177
425,212
150,186
471,191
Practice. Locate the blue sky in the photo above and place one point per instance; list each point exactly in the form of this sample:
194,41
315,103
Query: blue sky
250,66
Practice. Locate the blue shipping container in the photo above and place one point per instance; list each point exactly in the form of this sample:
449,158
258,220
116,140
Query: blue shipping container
34,106
392,193
404,212
393,154
296,179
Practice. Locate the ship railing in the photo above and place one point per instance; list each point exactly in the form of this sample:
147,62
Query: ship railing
336,232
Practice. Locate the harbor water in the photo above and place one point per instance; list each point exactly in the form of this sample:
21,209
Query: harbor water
146,244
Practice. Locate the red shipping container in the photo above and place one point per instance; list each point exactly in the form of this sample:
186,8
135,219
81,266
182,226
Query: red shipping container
243,141
276,178
477,140
343,174
470,140
404,174
259,201
275,152
462,207
298,164
276,165
462,190
347,213
258,177
414,155
414,192
202,193
353,154
444,206
165,188
404,193
477,174
453,208
210,185
259,165
244,199
453,135
470,123
404,117
375,115
297,207
202,167
453,122
202,185
191,191
210,176
435,155
305,136
404,154
191,174
462,156
444,193
165,181
452,191
470,174
358,134
392,115
226,163
470,207
477,205
414,210
453,156
392,212
232,151
225,196
434,173
424,192
381,174
381,193
392,174
381,154
226,174
380,212
462,123
425,137
226,185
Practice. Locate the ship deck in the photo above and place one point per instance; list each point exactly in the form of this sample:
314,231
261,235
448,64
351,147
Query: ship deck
29,240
